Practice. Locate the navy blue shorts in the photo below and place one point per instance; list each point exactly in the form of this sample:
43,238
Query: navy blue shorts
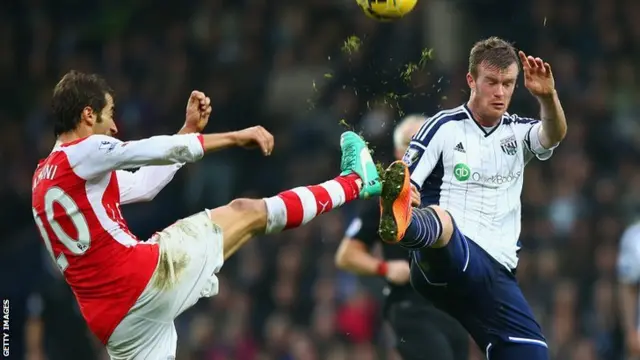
483,295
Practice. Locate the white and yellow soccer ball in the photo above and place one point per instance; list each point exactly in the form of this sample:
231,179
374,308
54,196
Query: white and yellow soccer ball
387,10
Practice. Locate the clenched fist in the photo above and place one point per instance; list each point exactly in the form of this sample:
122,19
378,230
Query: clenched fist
198,111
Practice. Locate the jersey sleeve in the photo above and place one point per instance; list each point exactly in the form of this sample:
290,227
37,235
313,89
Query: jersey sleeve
528,131
364,227
144,184
424,152
628,264
99,154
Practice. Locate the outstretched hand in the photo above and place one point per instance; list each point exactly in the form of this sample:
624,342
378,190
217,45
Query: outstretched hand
198,111
538,77
255,136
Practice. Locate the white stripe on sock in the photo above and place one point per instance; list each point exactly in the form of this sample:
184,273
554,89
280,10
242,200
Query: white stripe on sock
336,192
309,205
276,214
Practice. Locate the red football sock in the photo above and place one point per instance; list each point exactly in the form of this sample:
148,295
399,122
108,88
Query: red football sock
296,207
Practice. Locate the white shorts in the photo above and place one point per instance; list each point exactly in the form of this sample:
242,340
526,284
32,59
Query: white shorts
191,253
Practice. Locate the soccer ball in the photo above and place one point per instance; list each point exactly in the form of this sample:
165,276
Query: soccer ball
386,10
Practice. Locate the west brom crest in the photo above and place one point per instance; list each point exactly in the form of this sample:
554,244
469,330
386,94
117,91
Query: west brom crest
509,145
411,155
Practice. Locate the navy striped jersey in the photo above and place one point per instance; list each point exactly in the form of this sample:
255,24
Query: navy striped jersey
477,174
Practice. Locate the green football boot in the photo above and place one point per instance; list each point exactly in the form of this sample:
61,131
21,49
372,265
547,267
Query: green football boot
356,158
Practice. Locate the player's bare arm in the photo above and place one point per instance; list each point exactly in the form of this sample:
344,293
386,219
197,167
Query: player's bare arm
538,79
252,137
355,253
353,256
197,118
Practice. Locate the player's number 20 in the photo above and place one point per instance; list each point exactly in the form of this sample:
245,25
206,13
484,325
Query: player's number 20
76,246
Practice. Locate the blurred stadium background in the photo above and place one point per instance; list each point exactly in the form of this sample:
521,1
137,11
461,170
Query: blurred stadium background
280,64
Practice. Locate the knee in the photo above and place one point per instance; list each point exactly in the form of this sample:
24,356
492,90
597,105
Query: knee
447,226
239,218
248,207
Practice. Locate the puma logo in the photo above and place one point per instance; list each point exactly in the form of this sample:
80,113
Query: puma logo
324,206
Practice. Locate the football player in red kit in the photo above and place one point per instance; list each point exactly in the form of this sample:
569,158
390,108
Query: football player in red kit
130,291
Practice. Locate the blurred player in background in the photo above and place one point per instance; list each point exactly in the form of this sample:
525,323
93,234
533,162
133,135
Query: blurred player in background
130,291
628,281
468,163
417,324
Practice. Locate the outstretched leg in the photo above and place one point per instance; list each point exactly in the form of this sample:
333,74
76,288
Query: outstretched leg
193,249
412,228
458,275
243,219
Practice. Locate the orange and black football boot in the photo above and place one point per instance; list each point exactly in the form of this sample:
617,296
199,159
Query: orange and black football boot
395,203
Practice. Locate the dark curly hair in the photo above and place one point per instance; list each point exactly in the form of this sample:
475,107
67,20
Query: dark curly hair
74,92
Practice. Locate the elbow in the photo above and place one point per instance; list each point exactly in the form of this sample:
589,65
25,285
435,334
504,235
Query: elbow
557,134
563,132
553,136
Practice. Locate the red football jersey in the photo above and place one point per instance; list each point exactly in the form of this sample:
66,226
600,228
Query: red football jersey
77,193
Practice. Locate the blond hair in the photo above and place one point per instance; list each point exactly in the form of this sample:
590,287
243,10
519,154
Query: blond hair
400,136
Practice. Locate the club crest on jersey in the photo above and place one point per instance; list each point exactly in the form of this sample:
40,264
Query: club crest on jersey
509,145
411,156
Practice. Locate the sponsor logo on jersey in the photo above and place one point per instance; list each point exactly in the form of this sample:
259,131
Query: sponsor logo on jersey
461,172
460,148
497,179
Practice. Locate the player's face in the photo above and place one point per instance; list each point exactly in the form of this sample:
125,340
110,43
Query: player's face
492,89
105,125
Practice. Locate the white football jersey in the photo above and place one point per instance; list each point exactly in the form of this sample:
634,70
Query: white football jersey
477,174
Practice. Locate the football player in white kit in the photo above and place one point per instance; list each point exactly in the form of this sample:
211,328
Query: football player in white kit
130,291
468,163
